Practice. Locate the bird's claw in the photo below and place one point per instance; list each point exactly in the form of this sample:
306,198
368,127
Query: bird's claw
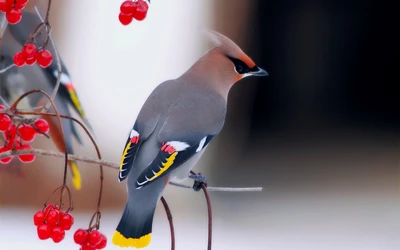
199,179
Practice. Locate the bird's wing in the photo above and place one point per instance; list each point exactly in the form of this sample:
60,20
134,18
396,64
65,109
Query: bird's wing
171,155
129,154
67,90
191,123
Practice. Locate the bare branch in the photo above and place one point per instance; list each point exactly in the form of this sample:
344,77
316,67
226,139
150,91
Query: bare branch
222,189
113,165
6,68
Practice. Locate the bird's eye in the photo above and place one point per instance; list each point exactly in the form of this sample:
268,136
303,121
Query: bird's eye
240,66
239,69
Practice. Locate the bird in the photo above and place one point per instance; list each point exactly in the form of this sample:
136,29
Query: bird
173,129
45,79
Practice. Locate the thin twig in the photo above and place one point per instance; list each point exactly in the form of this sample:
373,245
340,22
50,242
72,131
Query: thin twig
7,68
171,223
4,102
58,61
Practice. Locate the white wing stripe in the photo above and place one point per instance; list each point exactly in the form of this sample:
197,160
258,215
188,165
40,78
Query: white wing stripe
201,144
133,133
178,145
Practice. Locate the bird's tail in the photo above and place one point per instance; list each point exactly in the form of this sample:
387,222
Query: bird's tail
76,175
135,226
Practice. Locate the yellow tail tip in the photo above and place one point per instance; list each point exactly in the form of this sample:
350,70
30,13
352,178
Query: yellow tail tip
76,176
119,240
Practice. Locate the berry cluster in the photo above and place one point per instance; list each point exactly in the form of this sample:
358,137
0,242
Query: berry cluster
13,8
133,9
16,135
90,240
52,223
29,55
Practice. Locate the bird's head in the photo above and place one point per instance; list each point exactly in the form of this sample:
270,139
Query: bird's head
233,59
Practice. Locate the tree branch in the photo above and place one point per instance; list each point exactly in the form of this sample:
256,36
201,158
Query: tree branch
41,152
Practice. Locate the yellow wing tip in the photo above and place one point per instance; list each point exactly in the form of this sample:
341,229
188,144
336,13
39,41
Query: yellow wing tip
76,176
119,240
121,163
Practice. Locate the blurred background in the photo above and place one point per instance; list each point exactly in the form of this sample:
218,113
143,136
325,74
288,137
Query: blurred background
320,134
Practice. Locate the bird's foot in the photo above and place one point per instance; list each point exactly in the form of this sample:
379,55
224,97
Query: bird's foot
199,179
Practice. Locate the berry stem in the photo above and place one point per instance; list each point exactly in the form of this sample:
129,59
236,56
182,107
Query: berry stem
57,57
46,19
171,223
95,221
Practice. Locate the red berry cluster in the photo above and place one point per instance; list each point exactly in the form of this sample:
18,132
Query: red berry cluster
13,8
52,223
16,135
133,9
90,240
29,55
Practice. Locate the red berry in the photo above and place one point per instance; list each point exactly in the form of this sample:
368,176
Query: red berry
128,7
81,236
44,58
42,125
19,59
19,6
11,134
88,246
4,6
13,144
125,19
50,207
141,13
94,237
26,158
52,217
57,234
5,160
5,122
13,16
2,106
21,2
30,61
66,221
143,3
103,242
29,51
44,231
26,132
38,218
10,2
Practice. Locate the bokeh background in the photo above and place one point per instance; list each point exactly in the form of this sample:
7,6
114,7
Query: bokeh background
320,134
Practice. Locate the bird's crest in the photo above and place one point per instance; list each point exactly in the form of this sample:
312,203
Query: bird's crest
228,47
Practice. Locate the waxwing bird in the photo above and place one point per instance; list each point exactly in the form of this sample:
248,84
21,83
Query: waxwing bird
45,79
174,127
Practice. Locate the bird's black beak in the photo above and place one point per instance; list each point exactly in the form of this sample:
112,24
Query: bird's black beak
257,71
